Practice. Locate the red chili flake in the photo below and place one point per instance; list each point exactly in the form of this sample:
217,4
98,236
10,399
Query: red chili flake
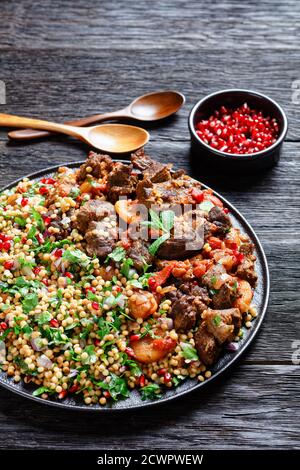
69,275
142,381
43,190
167,377
90,289
47,220
8,265
37,270
197,195
58,253
74,388
240,131
134,338
130,352
106,394
45,282
3,325
54,323
95,305
63,394
24,202
161,372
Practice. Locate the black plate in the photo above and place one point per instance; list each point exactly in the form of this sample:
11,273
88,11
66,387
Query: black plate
261,297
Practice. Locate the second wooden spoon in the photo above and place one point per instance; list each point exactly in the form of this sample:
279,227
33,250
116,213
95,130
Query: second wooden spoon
149,107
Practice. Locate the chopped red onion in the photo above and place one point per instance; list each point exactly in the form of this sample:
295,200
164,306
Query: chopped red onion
231,347
44,361
37,344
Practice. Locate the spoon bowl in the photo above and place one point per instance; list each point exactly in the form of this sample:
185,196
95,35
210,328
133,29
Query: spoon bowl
155,106
117,138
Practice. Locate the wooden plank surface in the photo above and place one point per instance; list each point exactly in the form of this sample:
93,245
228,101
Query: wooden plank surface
89,57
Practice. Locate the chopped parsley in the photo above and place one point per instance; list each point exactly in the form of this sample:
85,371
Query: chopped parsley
217,320
189,352
117,255
150,392
117,387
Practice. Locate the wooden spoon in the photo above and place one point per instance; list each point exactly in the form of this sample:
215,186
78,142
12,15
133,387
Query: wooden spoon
149,107
114,138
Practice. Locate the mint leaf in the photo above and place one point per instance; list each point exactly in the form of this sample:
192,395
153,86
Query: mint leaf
30,302
153,248
150,392
189,352
116,255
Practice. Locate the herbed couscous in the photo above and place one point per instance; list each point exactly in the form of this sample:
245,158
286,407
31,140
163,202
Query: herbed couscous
90,308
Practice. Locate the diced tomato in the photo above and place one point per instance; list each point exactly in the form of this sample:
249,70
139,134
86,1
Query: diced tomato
197,195
232,245
5,246
69,275
47,220
201,267
63,394
90,289
215,243
167,377
106,394
8,265
239,257
208,196
160,277
3,325
226,210
45,282
54,323
74,388
161,372
40,238
134,338
95,305
48,181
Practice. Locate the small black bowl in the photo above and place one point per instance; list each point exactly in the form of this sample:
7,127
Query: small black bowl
235,162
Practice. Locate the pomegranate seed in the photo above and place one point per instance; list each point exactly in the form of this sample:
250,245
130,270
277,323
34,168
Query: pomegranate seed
90,289
161,372
43,190
45,282
48,181
47,220
3,325
239,258
130,352
74,388
106,394
95,305
167,377
97,342
24,202
54,323
63,394
37,270
242,130
142,381
69,275
6,246
39,238
23,240
226,211
58,253
8,265
134,338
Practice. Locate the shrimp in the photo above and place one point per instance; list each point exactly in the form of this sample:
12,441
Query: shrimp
149,350
142,304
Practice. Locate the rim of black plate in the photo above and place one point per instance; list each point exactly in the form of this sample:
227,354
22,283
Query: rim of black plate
235,356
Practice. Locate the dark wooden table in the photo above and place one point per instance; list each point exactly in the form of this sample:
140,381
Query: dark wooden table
66,59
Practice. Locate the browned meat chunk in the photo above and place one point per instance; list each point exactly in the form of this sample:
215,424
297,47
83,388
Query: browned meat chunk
215,277
94,209
184,313
220,219
223,324
100,164
173,191
156,172
187,237
188,302
100,239
121,182
139,254
224,297
247,272
206,345
247,248
99,233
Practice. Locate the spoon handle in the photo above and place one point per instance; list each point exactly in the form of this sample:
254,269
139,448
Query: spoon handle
9,120
29,134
